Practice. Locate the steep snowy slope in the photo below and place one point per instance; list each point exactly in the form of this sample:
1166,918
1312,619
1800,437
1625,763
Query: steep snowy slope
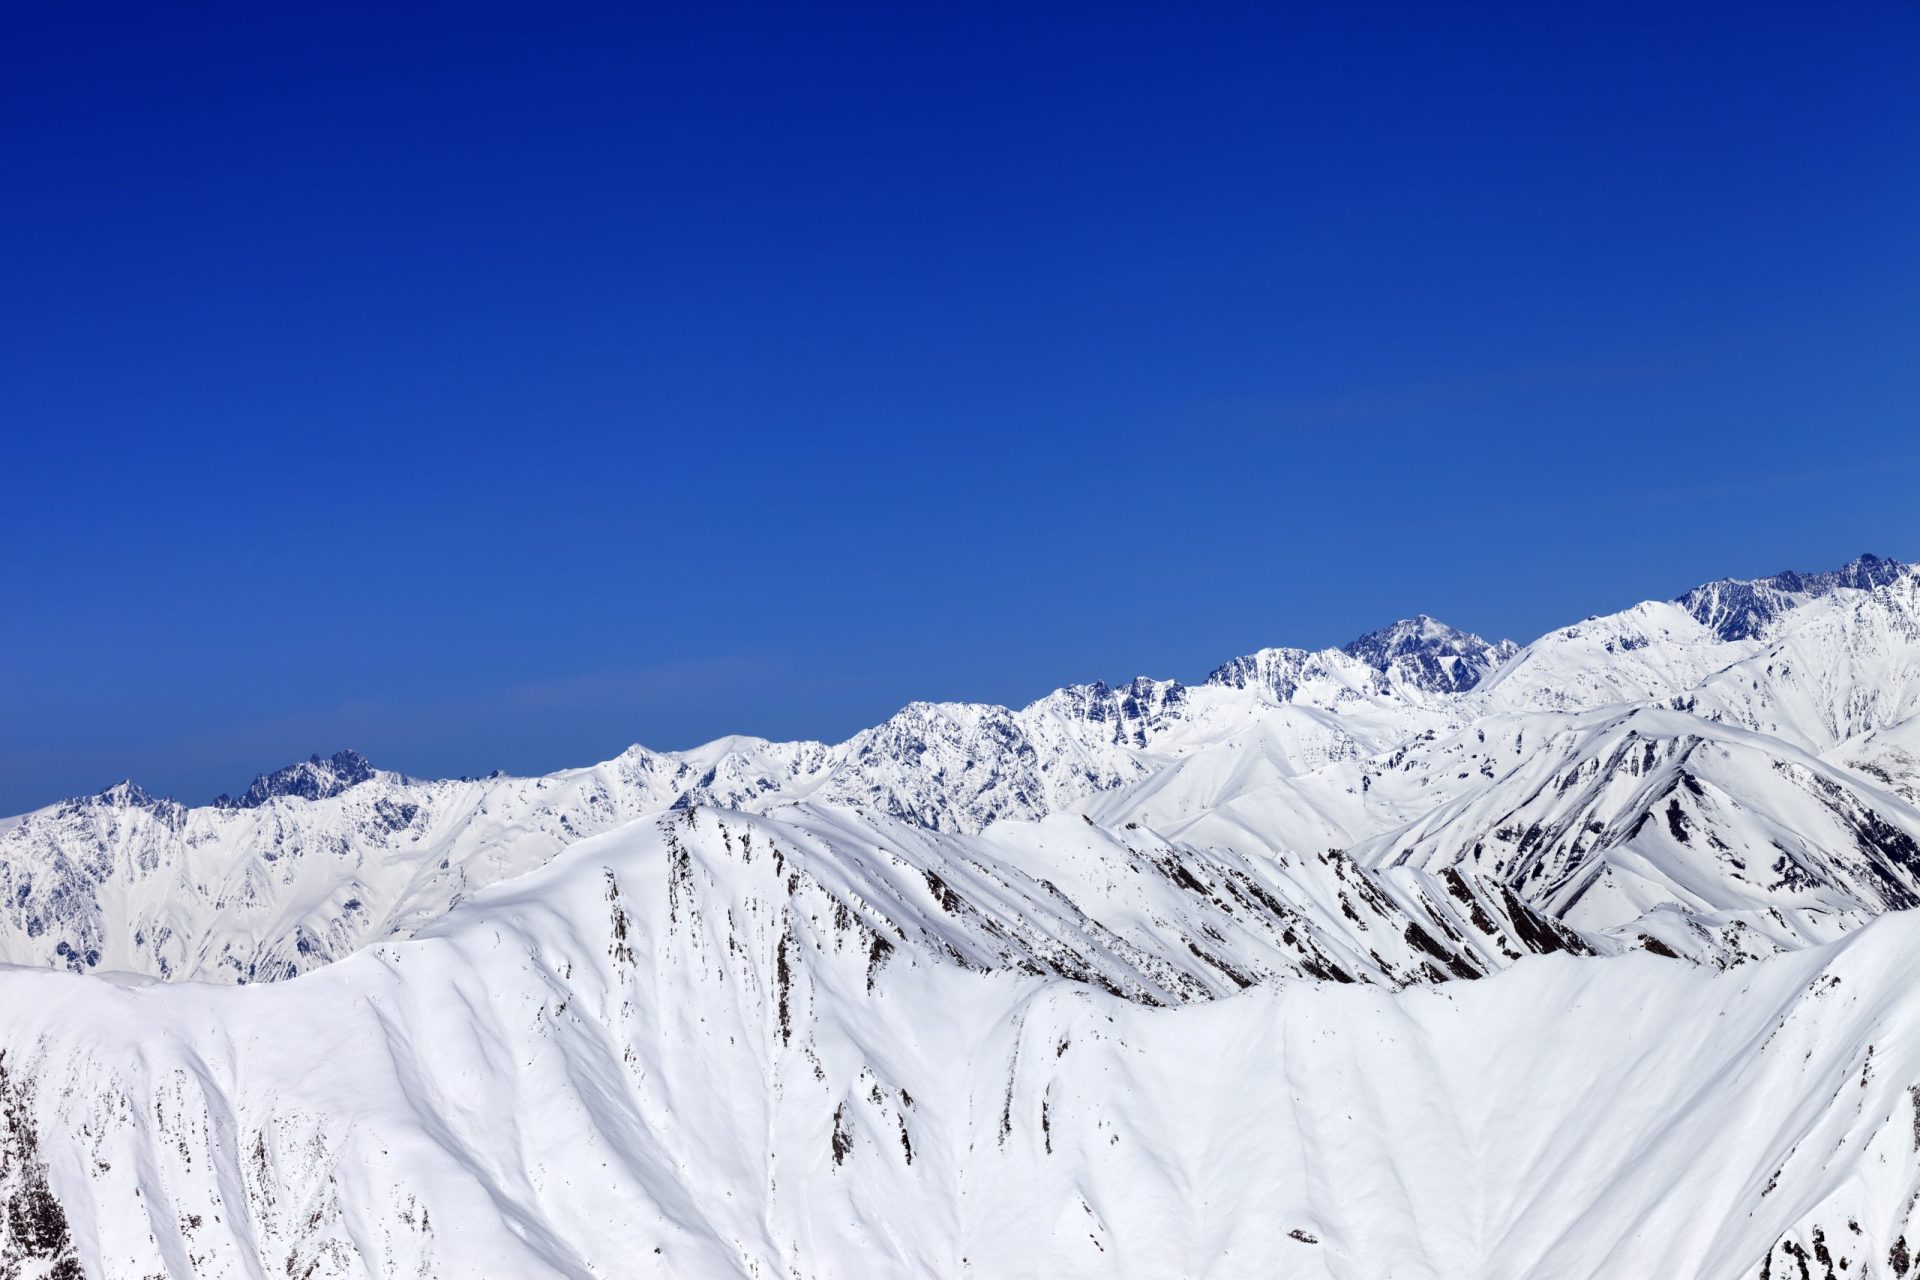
1838,672
1650,652
676,1051
1713,842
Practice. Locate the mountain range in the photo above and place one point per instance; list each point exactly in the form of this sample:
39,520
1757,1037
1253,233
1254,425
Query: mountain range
1423,956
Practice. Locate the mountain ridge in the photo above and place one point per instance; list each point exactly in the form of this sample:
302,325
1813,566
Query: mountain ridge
1278,744
1739,607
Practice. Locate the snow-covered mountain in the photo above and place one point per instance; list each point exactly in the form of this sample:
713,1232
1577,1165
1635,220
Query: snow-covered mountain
1739,609
1430,654
1148,979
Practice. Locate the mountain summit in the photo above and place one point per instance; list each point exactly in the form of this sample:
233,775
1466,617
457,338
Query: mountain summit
1430,654
310,779
1740,608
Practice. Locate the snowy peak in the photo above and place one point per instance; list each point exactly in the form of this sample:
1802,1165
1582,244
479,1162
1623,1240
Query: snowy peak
124,801
1743,608
128,794
1324,677
311,779
944,765
1429,654
1127,716
1417,653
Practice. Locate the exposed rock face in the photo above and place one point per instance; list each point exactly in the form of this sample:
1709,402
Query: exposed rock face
312,779
1431,655
1742,608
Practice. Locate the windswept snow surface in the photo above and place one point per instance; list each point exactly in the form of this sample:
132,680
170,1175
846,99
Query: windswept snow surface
1427,956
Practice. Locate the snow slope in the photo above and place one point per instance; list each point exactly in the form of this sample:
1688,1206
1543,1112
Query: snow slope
656,1056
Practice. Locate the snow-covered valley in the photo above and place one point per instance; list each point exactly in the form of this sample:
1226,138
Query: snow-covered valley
1427,956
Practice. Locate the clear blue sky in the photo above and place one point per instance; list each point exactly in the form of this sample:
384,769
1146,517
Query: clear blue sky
500,385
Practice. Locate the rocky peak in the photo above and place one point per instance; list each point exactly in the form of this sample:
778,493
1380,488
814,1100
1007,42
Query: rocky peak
312,779
1277,670
1741,608
128,794
1429,654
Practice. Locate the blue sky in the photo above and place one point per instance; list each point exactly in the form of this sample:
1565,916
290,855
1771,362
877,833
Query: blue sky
494,386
